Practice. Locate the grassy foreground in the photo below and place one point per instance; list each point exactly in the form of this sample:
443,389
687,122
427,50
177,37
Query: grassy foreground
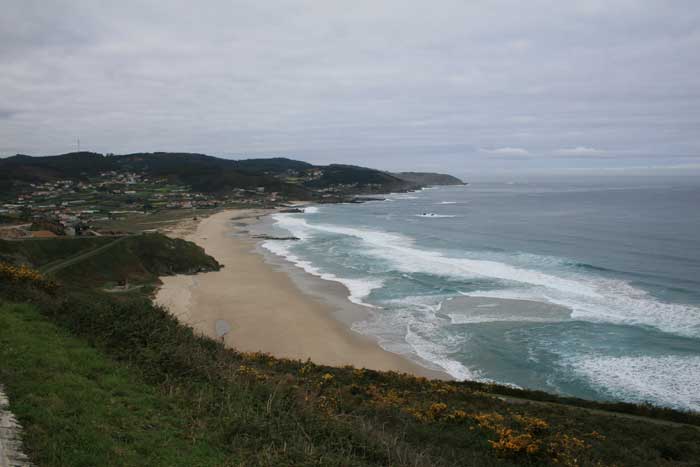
101,381
80,408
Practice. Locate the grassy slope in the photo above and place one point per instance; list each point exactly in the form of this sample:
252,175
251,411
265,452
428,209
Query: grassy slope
79,408
140,258
41,252
258,410
268,411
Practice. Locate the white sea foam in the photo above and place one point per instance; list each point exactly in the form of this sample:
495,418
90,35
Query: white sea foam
457,318
414,321
400,250
311,210
358,289
295,225
591,298
447,202
433,215
434,352
617,302
671,380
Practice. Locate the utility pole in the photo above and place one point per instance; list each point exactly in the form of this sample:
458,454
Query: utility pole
78,143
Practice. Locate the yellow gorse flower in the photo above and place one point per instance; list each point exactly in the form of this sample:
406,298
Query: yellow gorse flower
26,275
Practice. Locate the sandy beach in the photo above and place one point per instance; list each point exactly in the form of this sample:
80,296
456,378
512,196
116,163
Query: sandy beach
266,311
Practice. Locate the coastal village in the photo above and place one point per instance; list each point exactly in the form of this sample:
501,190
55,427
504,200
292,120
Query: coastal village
118,202
104,205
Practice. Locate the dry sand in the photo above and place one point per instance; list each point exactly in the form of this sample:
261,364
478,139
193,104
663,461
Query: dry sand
265,310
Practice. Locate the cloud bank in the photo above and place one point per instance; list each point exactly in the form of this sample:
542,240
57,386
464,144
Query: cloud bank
392,84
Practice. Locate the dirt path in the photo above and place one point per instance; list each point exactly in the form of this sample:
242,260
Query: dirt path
75,259
608,413
11,454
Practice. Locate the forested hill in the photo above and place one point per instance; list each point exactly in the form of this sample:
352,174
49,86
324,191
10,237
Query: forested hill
212,174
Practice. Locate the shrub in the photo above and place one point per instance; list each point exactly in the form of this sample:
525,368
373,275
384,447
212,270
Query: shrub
19,276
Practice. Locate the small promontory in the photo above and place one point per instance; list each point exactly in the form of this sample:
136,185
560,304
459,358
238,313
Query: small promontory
429,178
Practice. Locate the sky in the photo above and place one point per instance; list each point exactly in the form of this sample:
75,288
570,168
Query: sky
458,86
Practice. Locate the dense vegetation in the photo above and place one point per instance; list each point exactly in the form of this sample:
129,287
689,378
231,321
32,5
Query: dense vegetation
40,169
106,261
110,379
274,165
41,252
379,182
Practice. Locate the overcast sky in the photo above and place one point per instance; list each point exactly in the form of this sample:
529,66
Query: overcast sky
454,85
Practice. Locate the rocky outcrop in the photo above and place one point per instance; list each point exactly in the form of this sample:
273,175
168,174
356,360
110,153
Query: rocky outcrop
272,237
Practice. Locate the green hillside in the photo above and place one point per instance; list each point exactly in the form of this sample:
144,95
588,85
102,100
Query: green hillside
93,262
336,174
272,165
41,169
41,252
81,408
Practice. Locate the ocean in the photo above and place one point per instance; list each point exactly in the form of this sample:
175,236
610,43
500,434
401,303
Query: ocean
587,287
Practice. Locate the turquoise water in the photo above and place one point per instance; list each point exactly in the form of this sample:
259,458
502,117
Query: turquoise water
584,287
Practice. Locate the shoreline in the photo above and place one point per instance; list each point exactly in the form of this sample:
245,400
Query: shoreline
264,306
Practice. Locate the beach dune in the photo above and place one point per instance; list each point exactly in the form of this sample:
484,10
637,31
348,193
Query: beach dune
265,310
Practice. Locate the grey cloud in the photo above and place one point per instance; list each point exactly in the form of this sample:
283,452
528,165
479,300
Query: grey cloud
392,84
508,151
580,151
6,114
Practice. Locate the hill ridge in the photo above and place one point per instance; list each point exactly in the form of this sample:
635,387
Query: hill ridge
211,174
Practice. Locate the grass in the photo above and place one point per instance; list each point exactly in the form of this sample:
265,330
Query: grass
41,252
233,408
139,258
81,409
133,222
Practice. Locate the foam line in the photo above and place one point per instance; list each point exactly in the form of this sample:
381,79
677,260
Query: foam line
671,380
591,297
358,289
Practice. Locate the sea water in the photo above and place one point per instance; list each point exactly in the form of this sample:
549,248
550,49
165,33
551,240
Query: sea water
582,286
